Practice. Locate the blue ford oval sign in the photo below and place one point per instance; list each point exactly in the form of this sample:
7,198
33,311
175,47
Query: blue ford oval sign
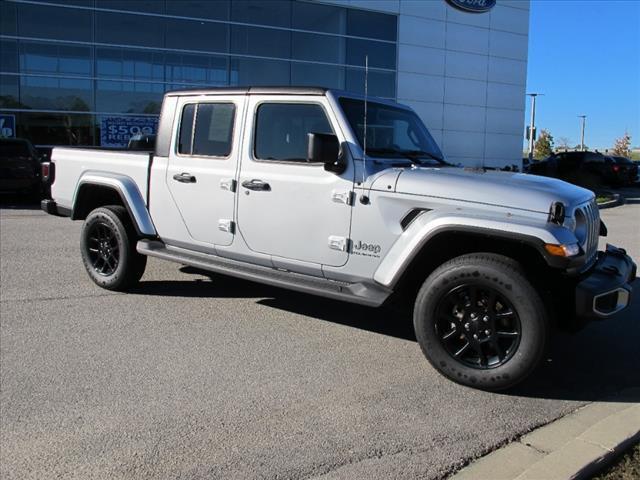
474,6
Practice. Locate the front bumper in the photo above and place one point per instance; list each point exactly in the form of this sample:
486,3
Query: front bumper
605,289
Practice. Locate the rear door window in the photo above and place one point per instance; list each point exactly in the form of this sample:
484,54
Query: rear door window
206,129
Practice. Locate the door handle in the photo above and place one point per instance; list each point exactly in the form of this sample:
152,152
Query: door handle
184,178
256,184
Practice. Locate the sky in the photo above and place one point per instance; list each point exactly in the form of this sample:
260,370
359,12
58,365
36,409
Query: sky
584,55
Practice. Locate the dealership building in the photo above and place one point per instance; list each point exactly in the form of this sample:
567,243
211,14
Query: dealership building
93,72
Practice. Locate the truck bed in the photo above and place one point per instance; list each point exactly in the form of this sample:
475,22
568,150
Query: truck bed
72,163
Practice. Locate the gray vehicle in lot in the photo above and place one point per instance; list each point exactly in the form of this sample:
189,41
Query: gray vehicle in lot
328,193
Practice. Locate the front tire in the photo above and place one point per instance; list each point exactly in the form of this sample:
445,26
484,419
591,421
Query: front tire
108,248
480,322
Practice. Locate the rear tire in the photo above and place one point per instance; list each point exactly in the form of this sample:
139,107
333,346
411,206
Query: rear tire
108,248
480,322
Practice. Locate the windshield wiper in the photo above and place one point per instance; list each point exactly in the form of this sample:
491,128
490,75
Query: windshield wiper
413,155
416,154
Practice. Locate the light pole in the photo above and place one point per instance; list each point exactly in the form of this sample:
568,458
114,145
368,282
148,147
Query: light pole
532,123
584,120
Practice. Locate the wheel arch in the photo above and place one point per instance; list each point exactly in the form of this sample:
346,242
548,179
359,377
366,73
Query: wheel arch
100,189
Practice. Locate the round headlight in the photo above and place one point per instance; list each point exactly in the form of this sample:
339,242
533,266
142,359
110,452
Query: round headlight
580,230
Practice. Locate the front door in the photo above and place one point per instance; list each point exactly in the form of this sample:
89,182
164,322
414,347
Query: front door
287,207
202,167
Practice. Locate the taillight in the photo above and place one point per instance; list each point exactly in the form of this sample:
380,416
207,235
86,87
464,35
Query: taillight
616,168
47,171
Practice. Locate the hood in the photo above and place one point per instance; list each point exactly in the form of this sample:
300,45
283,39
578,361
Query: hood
506,189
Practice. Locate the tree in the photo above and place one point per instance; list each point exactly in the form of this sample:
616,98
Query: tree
563,143
544,145
622,147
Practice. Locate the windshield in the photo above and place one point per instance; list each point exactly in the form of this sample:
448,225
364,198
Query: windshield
392,132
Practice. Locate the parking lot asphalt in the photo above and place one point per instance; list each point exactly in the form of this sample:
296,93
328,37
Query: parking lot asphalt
192,376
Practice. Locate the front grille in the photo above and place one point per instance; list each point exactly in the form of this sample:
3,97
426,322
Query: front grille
592,217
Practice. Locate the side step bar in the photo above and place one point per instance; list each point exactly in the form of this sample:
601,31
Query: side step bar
365,294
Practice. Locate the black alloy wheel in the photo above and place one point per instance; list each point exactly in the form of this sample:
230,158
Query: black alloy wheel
104,251
480,321
108,248
478,326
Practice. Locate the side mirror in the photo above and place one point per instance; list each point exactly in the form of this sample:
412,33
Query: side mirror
325,148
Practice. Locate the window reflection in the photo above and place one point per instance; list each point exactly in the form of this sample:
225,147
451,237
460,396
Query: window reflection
217,10
57,129
55,58
380,84
8,56
51,93
41,21
129,97
127,29
261,12
319,18
319,48
265,42
252,71
381,55
310,74
139,57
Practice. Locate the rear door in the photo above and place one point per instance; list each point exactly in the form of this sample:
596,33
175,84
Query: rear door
202,166
287,207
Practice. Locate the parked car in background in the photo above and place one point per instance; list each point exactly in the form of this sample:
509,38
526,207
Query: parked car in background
19,167
626,169
586,169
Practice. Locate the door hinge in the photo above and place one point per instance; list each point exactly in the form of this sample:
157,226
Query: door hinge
226,225
338,243
342,197
228,184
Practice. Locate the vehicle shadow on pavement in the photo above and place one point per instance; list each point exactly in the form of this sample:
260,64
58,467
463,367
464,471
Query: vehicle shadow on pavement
593,364
19,202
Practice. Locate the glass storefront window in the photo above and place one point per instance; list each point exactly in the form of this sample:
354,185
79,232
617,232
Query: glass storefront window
128,97
253,71
218,10
9,91
381,55
319,48
8,56
264,42
8,18
380,84
190,68
274,12
51,93
131,64
148,6
40,21
128,29
40,57
202,36
361,23
57,129
142,49
315,75
319,18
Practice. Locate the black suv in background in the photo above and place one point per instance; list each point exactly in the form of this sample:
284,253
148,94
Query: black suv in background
587,169
19,167
626,169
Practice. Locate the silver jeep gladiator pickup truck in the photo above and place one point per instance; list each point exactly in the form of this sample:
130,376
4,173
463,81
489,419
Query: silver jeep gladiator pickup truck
329,193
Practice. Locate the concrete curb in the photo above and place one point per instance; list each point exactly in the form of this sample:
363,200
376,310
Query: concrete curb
617,200
575,446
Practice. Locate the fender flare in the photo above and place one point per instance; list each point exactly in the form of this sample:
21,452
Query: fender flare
425,227
129,193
